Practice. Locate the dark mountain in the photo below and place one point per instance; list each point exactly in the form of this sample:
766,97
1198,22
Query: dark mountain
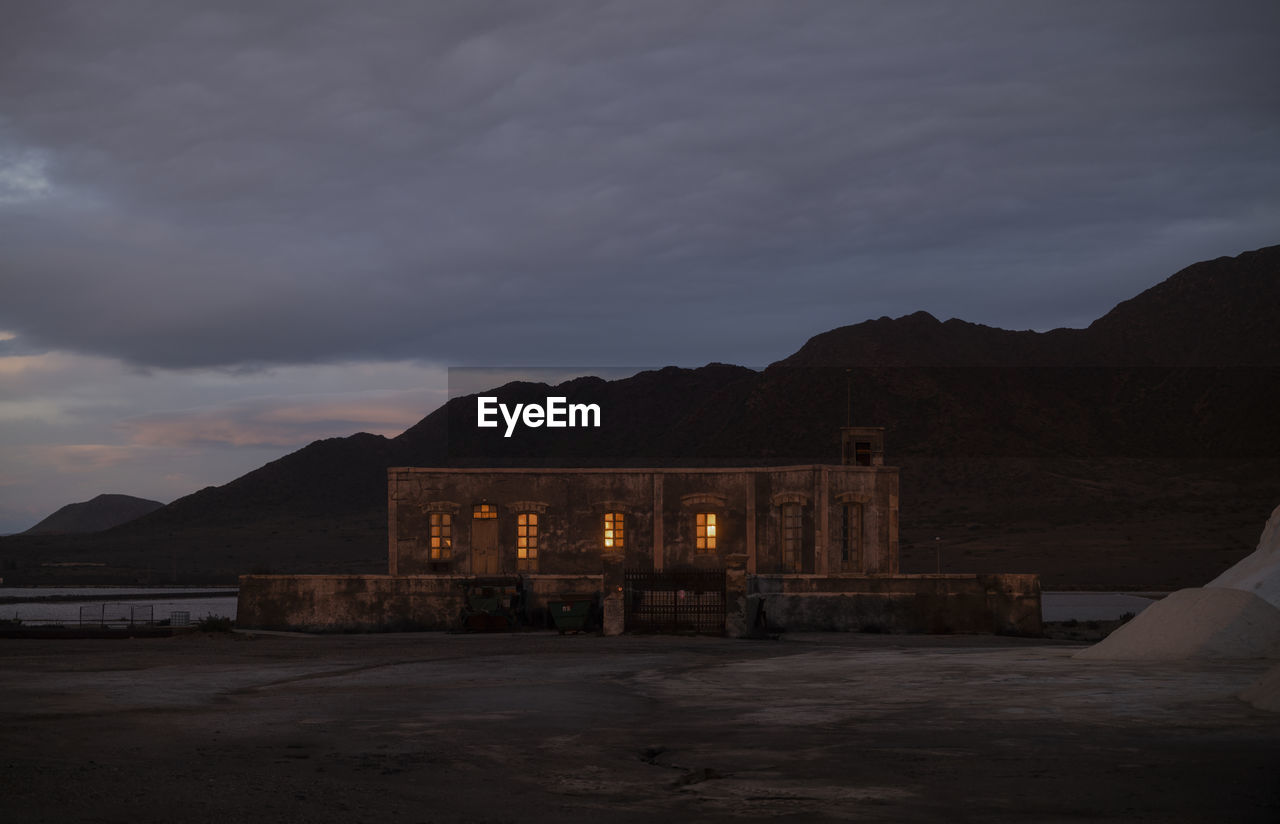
1141,451
103,512
1218,313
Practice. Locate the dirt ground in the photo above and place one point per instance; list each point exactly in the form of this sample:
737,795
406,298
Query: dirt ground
541,727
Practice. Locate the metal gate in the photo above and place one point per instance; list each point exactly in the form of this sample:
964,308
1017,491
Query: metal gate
675,602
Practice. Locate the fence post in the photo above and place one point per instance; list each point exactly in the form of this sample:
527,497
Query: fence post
614,603
735,595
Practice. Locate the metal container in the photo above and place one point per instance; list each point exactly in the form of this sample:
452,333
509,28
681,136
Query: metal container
570,615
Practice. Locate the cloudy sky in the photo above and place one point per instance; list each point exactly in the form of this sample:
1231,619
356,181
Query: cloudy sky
228,230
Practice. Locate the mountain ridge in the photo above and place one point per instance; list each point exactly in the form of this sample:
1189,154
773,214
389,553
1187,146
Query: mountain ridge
1154,380
95,515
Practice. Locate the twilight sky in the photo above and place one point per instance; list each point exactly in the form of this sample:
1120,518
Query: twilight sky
226,231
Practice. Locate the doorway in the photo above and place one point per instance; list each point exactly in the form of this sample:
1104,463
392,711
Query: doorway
484,546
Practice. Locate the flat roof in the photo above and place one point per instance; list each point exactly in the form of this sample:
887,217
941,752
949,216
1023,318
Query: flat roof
608,470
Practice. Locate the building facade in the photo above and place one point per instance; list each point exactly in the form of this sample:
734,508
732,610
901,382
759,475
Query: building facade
723,550
814,520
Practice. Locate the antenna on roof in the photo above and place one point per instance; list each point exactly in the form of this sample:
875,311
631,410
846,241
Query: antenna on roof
848,385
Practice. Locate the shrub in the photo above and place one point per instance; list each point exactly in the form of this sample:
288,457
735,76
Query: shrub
216,623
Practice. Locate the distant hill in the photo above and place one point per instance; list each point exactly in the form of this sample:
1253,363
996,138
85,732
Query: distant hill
102,512
1142,451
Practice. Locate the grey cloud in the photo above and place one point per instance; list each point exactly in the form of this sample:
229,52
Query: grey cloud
292,183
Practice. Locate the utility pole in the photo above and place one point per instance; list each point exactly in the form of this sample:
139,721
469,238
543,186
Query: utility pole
848,387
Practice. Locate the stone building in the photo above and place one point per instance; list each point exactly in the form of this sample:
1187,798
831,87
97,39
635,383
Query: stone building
811,520
712,549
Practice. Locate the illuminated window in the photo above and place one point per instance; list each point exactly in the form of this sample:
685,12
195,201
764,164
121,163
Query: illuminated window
706,531
484,512
613,530
851,538
862,453
527,541
441,536
792,533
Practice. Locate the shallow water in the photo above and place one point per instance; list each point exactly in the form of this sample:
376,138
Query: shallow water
108,602
36,593
1090,606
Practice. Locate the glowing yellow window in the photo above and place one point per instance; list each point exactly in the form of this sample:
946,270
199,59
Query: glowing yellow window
441,536
613,530
527,541
484,512
706,532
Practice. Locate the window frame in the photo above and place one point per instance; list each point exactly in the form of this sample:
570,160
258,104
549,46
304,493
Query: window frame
852,527
614,536
705,532
527,541
440,536
791,525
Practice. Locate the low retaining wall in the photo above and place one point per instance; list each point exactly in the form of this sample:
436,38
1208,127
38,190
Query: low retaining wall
1001,604
378,603
936,604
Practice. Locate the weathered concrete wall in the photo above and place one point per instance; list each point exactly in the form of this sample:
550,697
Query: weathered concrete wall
875,491
660,508
686,493
822,492
1001,604
542,589
1006,604
347,603
570,505
378,603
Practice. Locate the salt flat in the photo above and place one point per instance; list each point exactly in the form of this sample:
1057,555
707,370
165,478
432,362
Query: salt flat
542,727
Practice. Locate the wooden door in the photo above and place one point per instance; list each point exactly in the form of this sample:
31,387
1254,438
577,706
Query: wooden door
484,547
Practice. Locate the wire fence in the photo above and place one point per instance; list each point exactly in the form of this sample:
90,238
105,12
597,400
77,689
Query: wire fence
119,612
104,616
117,615
109,616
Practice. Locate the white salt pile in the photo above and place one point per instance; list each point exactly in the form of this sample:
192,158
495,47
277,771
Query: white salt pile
1265,695
1237,615
1259,572
1211,622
